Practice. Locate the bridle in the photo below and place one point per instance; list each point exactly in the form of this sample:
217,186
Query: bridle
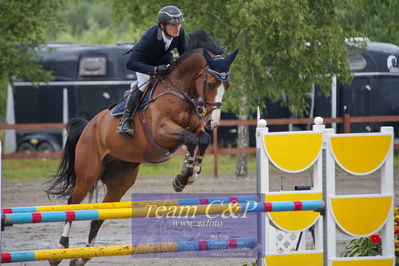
200,103
205,86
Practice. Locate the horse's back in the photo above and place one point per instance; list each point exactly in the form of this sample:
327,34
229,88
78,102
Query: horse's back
101,138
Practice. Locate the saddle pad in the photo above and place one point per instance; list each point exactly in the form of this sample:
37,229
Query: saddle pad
120,106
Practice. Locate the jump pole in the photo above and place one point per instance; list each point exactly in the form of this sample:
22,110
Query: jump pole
119,250
163,211
130,204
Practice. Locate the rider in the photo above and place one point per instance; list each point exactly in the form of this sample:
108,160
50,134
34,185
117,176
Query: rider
152,56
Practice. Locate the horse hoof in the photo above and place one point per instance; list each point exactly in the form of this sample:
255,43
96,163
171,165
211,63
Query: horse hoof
54,262
177,188
78,262
177,185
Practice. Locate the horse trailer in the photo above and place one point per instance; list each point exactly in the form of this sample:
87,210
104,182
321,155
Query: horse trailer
87,79
374,90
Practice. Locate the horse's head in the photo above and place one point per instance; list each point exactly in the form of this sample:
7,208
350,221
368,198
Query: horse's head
212,83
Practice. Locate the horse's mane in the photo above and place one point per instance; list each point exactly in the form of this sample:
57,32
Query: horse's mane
200,39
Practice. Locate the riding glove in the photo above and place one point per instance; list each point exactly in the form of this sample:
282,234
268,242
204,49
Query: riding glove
162,70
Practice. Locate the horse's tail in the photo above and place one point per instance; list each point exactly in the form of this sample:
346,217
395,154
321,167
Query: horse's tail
63,182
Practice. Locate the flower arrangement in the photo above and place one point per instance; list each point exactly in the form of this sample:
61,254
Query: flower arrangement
371,245
364,246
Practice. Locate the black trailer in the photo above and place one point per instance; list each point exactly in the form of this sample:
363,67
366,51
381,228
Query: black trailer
374,91
88,79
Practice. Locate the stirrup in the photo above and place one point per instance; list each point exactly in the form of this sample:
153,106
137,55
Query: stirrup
124,129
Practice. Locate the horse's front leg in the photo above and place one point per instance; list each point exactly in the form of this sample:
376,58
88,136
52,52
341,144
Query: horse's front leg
181,180
204,140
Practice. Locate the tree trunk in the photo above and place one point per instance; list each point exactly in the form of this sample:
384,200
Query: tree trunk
242,142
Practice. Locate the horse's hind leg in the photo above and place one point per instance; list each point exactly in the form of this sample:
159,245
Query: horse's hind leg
118,178
88,172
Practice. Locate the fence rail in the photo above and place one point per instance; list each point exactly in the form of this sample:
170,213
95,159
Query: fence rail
346,120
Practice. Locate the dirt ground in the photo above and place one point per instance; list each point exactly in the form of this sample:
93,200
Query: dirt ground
116,232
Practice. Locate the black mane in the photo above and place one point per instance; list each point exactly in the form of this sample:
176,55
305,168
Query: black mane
200,39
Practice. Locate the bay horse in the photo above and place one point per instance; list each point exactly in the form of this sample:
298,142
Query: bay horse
182,104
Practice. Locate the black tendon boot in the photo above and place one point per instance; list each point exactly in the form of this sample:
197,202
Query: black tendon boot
132,103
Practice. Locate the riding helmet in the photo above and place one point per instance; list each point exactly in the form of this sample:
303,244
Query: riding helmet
170,15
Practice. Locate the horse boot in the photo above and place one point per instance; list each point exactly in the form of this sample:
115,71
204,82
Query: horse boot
132,103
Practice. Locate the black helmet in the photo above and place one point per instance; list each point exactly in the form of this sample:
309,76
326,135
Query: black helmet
170,15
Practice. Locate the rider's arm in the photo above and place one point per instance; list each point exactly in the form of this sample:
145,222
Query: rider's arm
138,58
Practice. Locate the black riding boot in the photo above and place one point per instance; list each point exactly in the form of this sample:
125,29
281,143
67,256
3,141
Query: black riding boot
132,103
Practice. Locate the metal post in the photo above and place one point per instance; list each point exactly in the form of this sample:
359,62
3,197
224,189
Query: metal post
10,139
334,100
65,114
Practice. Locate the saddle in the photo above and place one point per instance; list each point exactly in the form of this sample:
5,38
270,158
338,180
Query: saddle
154,153
118,108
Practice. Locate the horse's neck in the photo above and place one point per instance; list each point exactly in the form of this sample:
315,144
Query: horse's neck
186,72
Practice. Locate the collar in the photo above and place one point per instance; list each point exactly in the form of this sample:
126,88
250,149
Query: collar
166,39
159,34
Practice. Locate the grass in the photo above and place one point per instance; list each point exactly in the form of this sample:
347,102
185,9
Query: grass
28,168
43,168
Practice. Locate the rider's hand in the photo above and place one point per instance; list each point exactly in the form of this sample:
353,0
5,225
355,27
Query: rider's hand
162,70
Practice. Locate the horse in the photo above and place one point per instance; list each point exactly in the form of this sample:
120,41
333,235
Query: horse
181,105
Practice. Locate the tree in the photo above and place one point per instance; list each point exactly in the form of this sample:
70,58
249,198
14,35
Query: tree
23,27
91,22
285,46
374,19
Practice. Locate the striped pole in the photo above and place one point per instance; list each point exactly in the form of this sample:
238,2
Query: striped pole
130,204
119,250
226,210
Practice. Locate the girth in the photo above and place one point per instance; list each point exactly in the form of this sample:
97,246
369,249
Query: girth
153,152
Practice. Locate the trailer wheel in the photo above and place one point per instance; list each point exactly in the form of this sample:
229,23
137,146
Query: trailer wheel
26,148
45,147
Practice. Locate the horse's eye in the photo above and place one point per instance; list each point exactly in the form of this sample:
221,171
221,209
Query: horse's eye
209,85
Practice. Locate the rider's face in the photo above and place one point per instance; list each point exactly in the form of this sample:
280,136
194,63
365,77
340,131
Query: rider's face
173,30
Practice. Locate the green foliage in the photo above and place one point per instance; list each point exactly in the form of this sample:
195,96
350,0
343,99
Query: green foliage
91,22
362,247
374,19
28,168
369,246
23,27
3,99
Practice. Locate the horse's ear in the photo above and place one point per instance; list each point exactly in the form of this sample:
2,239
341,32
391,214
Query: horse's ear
230,58
208,58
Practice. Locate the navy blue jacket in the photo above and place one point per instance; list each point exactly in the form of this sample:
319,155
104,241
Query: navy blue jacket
150,51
